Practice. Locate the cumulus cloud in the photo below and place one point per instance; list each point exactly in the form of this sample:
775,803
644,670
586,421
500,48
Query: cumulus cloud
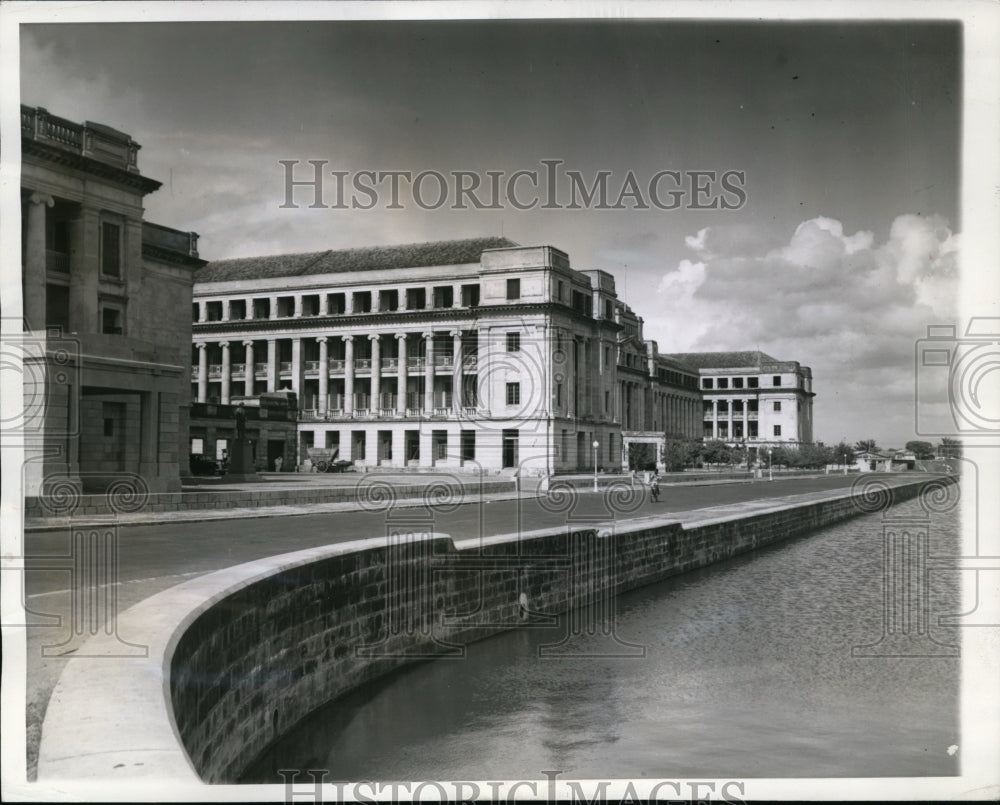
839,302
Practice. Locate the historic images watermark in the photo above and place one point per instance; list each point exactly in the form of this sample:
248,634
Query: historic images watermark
549,186
314,787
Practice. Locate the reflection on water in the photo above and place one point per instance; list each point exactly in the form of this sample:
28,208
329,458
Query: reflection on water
748,672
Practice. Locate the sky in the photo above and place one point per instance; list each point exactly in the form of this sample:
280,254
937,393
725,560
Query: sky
846,135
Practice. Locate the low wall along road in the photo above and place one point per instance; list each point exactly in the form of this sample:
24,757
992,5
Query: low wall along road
237,657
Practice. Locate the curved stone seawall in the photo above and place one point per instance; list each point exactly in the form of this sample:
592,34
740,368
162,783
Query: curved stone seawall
237,657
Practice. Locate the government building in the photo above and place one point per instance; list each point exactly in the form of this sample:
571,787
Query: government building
476,354
106,321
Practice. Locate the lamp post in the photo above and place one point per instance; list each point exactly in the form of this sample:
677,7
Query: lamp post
595,446
770,474
845,463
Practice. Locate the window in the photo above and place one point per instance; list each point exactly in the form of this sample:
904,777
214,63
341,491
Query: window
777,430
776,380
751,382
109,426
777,405
513,394
611,447
609,309
737,382
706,382
513,342
197,446
607,401
559,290
111,252
723,382
111,321
470,295
514,289
559,395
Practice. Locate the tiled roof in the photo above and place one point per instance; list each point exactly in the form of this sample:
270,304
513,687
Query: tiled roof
722,360
411,255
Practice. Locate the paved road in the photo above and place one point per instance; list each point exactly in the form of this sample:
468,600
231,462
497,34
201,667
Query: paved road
176,551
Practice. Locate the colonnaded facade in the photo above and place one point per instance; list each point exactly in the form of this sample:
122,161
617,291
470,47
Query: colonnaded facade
103,348
472,354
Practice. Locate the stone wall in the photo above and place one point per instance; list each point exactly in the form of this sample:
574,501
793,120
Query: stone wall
262,657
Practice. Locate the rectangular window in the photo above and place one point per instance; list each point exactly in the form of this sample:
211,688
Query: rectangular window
468,445
559,290
111,321
111,249
611,447
777,405
559,395
513,394
777,430
737,382
197,446
109,426
776,380
607,401
513,342
514,289
751,382
723,382
706,382
609,309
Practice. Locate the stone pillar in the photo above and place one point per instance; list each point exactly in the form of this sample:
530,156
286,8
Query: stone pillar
202,372
135,323
348,374
298,386
324,375
376,384
225,309
456,371
746,419
428,377
715,419
729,418
227,368
34,262
298,305
272,364
248,374
84,268
273,302
248,304
401,374
148,433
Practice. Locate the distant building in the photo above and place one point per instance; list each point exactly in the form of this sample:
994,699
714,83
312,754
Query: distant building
753,399
106,324
271,428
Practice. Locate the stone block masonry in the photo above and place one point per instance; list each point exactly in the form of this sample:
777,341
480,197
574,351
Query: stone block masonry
238,657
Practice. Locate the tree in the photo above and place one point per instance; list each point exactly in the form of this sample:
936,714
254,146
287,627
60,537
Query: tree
782,457
678,453
924,451
866,446
950,448
716,451
841,453
810,456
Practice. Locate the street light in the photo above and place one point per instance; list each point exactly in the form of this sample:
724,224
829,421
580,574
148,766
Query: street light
770,475
595,446
845,463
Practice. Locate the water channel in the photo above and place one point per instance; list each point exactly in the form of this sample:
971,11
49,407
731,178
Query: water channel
748,672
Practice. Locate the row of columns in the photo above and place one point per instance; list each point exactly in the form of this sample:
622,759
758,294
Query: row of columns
729,418
679,414
402,368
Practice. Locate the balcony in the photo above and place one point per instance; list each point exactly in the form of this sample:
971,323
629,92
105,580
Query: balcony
215,370
260,369
414,363
390,363
362,363
238,368
285,366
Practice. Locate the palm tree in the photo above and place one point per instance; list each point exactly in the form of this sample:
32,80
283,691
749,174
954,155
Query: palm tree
866,446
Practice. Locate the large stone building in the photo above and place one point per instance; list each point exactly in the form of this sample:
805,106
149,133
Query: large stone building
106,314
752,398
468,354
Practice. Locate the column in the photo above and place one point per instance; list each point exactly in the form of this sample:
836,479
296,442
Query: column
149,431
746,419
400,381
272,364
729,419
135,323
456,370
298,305
273,302
376,372
202,372
298,386
348,374
249,373
322,404
225,310
248,304
34,262
715,419
227,368
429,377
84,269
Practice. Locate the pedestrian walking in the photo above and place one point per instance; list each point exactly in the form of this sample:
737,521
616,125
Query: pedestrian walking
654,488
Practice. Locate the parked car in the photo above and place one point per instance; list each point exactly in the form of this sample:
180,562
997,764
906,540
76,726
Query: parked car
337,465
203,465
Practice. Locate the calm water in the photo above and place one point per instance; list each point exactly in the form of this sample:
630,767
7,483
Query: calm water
748,672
